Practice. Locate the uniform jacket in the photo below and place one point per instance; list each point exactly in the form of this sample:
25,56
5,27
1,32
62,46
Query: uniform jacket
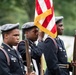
50,52
55,54
62,56
16,66
35,54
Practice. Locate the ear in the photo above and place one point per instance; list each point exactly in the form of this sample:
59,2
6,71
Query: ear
26,34
6,36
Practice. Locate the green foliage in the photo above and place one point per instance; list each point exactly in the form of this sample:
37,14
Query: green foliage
10,13
14,16
67,8
28,6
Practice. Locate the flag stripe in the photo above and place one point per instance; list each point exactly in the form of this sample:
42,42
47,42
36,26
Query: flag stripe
43,5
44,17
51,3
36,13
47,20
53,30
38,9
49,27
46,30
47,4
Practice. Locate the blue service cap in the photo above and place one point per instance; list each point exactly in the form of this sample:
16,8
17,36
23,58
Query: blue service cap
58,18
28,25
7,27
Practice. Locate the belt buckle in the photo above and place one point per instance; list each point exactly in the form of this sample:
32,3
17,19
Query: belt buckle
67,65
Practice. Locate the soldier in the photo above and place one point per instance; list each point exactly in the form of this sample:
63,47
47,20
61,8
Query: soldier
49,49
61,53
31,32
10,60
55,53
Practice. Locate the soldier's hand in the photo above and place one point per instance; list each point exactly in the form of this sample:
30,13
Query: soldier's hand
32,73
41,36
73,63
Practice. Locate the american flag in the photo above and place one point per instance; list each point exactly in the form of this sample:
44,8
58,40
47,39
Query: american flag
44,17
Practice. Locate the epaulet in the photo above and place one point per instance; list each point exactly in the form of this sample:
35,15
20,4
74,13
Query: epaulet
7,57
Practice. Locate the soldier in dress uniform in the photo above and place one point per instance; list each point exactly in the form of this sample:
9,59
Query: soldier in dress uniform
61,53
31,32
55,53
10,60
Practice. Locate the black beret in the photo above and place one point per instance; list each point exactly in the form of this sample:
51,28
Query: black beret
7,27
28,25
58,18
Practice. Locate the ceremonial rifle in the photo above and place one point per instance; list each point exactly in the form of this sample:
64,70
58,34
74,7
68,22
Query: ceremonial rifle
74,54
28,57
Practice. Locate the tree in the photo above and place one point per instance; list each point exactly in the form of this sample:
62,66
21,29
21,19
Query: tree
11,13
28,6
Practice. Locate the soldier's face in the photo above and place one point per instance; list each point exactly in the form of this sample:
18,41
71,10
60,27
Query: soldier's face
13,37
32,34
60,28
